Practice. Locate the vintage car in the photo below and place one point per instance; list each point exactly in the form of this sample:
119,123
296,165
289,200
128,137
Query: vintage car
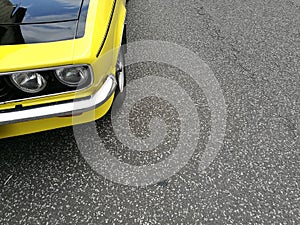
58,59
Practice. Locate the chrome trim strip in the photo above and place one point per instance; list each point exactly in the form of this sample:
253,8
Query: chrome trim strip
63,109
46,69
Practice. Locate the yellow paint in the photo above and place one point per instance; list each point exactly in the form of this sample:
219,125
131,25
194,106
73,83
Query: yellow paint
78,51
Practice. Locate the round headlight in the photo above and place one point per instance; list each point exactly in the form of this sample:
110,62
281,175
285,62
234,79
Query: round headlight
74,76
30,82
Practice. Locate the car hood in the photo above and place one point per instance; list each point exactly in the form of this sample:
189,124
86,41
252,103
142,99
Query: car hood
38,11
39,45
37,21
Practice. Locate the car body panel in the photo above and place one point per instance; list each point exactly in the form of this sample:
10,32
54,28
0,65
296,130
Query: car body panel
107,17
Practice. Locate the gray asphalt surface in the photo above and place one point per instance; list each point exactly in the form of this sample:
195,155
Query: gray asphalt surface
252,47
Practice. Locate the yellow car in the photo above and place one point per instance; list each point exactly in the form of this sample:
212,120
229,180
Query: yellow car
58,58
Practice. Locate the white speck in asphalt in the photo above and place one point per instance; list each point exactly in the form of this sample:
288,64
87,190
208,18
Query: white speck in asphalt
8,179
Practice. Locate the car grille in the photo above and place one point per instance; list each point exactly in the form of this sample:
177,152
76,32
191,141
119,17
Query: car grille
5,90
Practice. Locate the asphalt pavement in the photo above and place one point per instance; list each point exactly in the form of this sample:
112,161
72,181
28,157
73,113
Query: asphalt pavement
252,50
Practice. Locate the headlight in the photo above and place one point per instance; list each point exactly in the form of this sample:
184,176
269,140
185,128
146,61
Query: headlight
29,82
73,76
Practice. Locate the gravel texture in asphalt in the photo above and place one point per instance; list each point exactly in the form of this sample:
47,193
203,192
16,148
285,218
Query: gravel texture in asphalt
253,48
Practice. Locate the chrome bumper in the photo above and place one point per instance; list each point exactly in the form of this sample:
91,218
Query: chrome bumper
63,109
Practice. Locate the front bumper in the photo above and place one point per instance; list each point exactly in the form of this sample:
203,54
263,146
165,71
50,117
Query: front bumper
62,109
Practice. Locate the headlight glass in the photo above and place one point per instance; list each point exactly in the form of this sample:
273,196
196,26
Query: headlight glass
73,76
29,82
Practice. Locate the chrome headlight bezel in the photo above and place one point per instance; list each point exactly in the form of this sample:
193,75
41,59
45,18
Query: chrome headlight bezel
41,82
84,71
